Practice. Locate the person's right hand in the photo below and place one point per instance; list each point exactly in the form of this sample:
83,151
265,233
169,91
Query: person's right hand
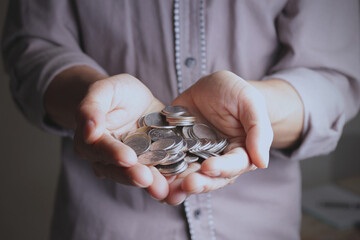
110,108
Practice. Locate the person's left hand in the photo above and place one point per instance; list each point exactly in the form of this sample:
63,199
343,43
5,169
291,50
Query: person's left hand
237,111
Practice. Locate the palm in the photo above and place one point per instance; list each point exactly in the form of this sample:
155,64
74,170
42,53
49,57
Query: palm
222,102
125,100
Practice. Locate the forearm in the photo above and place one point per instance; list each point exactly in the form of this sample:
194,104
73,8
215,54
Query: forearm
285,110
65,93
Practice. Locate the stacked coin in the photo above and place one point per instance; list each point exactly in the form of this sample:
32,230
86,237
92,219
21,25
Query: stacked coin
171,139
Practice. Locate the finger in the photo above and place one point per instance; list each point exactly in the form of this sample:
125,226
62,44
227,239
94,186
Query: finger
193,167
170,179
111,172
196,183
229,165
254,117
91,115
159,189
112,151
258,143
107,150
176,194
138,175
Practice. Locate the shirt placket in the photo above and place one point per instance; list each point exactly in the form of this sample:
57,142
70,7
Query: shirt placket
191,55
198,212
190,59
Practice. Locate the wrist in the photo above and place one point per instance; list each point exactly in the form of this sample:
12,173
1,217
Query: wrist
285,109
65,93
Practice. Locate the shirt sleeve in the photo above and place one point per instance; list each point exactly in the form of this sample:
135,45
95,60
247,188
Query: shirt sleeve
320,58
41,38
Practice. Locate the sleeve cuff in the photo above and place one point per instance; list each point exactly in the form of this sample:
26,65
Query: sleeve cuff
323,108
57,60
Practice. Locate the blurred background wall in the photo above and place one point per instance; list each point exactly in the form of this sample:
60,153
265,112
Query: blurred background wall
30,160
29,167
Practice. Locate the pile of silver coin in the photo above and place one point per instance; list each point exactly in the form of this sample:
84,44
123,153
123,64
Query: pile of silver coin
172,139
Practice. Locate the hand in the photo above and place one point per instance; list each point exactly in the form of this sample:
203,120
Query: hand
238,112
110,108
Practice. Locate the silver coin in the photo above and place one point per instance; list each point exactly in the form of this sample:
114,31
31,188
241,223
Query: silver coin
141,121
185,131
184,117
173,168
164,126
191,159
183,147
170,167
220,146
214,154
157,133
174,110
203,131
156,120
202,154
191,143
212,144
174,158
205,143
173,149
185,124
178,139
177,119
152,158
163,144
179,170
178,146
181,120
140,143
226,143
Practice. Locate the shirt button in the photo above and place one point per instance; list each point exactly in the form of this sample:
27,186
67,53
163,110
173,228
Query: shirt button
197,213
190,62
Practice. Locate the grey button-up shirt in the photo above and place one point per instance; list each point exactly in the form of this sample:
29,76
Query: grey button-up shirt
314,45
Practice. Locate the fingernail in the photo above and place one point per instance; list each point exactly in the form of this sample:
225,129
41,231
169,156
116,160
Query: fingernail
198,190
265,165
253,167
213,173
180,200
175,204
125,164
170,179
129,161
157,199
266,159
138,184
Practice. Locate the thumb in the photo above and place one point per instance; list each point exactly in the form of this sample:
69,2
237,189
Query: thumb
258,142
91,117
259,135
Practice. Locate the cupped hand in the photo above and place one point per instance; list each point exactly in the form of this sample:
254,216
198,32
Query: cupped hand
237,111
111,108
